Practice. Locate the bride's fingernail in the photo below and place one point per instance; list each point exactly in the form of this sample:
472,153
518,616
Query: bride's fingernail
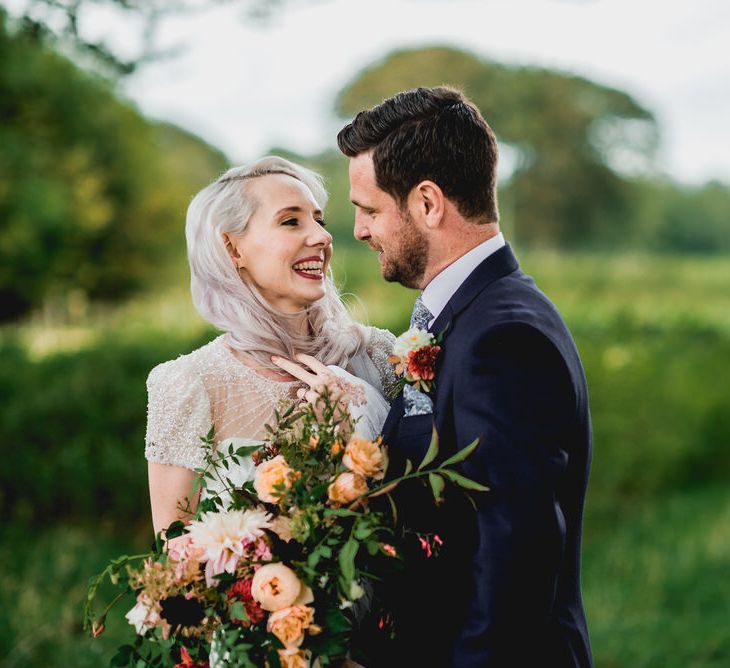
274,358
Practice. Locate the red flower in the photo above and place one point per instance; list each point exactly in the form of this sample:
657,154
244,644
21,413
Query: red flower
241,591
422,362
187,660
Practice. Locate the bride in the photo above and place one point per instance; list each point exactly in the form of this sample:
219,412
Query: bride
259,256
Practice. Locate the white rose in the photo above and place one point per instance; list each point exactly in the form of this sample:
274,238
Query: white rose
413,339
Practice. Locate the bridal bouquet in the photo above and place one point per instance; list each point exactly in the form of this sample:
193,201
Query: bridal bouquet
273,572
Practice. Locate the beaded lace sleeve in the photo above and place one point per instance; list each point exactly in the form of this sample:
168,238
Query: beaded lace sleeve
380,347
178,414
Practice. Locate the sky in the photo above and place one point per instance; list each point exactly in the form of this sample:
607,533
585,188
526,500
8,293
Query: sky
245,86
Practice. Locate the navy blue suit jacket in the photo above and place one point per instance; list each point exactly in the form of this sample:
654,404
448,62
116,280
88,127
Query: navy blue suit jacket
505,589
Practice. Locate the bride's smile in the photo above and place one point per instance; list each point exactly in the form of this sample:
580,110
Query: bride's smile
284,250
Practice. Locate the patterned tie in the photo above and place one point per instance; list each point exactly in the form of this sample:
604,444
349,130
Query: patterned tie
420,316
415,402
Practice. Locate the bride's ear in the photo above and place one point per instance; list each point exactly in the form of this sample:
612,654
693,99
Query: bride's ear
234,252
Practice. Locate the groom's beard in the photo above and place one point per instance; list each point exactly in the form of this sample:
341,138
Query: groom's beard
406,263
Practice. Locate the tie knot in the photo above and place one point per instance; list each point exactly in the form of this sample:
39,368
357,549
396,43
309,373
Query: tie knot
420,315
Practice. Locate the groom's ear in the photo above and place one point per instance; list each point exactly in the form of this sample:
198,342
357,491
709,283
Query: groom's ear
428,203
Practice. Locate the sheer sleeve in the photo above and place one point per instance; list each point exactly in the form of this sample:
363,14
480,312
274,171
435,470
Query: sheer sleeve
178,414
379,348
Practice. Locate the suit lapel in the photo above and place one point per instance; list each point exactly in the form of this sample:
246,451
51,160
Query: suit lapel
496,266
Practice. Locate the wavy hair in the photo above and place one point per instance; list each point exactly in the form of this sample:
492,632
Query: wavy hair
238,308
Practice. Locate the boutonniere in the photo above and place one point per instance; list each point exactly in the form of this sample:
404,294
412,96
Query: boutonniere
414,356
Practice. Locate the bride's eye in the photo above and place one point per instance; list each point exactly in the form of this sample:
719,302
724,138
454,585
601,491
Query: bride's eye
322,222
290,221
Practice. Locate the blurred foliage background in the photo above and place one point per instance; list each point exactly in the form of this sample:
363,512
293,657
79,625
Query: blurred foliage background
93,294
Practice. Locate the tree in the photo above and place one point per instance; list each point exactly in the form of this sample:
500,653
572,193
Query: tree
89,201
571,140
68,21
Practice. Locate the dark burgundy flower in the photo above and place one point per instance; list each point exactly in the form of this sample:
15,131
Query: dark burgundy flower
181,611
422,362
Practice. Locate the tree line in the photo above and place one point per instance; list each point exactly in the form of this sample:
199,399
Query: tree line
93,194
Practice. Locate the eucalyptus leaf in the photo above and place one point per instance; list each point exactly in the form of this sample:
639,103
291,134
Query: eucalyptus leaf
437,487
433,450
462,454
466,483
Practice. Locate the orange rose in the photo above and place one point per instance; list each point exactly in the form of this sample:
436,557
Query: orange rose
268,475
364,457
293,658
289,624
347,487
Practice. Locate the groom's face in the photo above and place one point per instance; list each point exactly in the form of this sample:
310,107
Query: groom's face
386,228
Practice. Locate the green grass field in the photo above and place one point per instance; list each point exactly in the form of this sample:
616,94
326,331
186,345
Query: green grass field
654,333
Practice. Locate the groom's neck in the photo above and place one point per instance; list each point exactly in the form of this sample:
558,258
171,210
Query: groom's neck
455,240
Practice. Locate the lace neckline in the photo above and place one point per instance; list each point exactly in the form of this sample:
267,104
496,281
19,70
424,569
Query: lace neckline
233,362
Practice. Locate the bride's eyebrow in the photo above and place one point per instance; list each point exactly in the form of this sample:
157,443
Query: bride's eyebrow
296,209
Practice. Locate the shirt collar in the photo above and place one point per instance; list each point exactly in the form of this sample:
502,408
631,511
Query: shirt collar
437,293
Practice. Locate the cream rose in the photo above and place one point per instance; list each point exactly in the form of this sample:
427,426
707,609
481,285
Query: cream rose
347,487
289,624
268,475
413,339
276,586
364,457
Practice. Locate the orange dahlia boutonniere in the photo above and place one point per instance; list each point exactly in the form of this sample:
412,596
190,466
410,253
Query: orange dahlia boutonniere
414,356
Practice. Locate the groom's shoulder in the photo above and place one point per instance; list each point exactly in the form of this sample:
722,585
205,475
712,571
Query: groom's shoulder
515,298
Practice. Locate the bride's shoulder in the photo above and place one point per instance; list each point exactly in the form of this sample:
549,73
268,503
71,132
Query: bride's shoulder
186,367
379,342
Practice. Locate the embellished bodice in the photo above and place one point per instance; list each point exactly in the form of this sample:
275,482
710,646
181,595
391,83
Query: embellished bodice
212,387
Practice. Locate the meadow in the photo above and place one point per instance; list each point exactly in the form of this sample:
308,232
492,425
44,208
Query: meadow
654,334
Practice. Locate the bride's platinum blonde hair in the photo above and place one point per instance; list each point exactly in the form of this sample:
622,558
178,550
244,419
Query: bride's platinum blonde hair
236,307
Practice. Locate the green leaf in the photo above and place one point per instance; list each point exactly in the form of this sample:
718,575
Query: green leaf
462,454
393,508
437,487
123,656
237,611
409,467
347,562
247,450
433,450
464,482
177,528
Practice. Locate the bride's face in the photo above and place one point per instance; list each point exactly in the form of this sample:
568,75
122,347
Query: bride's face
285,250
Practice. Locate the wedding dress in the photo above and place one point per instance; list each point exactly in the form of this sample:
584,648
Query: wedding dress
211,387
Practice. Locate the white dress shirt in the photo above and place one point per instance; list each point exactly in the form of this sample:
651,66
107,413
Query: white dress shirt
443,286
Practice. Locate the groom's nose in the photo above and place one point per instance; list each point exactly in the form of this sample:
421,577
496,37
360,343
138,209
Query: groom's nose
360,230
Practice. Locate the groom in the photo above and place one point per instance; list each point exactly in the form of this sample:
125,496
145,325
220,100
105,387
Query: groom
505,589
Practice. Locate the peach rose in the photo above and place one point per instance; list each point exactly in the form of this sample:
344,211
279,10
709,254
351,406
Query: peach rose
293,658
276,586
347,487
268,475
289,624
281,526
364,457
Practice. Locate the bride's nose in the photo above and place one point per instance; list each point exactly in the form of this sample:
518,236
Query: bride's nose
318,236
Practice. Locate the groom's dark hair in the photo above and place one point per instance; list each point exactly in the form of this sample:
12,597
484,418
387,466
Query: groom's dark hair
430,133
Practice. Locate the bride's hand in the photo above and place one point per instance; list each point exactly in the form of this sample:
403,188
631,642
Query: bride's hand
317,376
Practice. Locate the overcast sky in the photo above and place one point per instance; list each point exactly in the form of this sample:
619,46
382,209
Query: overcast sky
245,86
